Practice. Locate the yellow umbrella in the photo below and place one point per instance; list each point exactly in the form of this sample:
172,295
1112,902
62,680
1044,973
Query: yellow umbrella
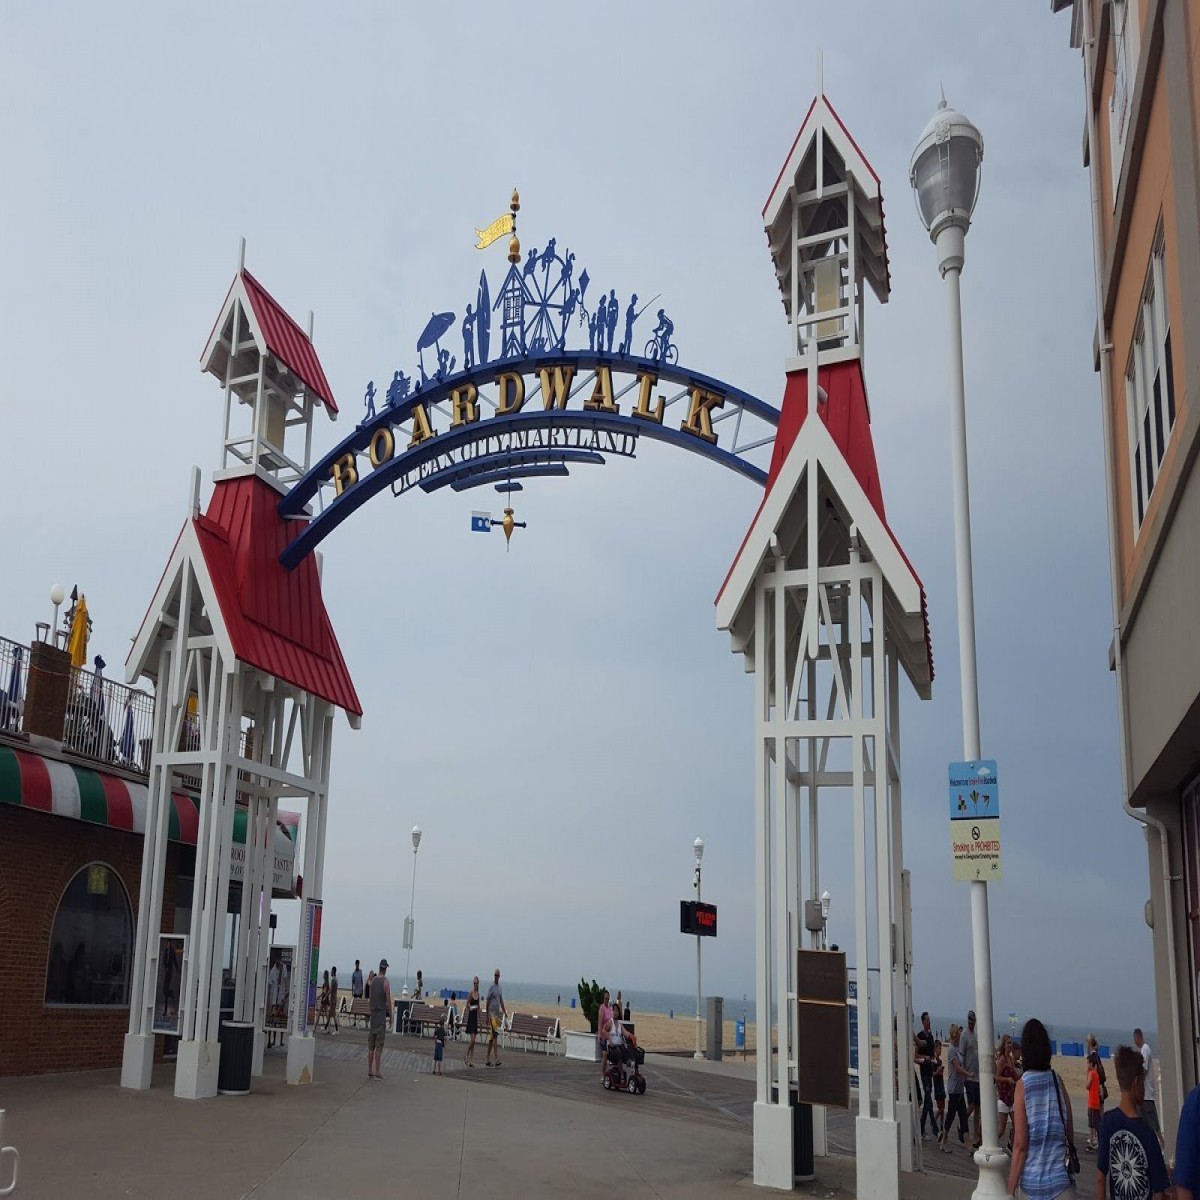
77,643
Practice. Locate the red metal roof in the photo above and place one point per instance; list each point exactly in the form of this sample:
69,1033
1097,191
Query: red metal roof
276,618
287,341
846,417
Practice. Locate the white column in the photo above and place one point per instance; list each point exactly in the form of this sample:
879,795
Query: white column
137,1057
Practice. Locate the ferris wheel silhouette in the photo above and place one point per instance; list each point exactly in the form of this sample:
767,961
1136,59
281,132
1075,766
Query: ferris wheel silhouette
553,298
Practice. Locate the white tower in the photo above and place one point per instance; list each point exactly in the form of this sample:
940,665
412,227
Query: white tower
247,674
829,616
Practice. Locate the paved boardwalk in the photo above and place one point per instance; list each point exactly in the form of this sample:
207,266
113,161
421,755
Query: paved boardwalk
538,1126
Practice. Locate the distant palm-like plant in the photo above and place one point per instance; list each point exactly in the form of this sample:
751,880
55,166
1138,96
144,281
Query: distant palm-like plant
590,997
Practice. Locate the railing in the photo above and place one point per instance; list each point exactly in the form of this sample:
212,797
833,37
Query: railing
14,685
109,721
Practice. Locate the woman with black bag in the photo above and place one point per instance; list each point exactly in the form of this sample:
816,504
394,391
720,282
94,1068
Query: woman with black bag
1044,1161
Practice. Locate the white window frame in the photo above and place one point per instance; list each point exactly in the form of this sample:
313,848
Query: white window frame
1150,387
1124,38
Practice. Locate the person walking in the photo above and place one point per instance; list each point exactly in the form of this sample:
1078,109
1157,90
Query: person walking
968,1047
356,981
439,1046
923,1052
939,1085
1006,1085
333,1001
603,1023
1042,1123
472,1006
1150,1103
381,1007
956,1080
323,1002
1130,1159
1187,1149
496,1013
1093,1107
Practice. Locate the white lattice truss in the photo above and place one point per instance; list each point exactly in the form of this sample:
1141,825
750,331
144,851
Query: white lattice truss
288,727
827,688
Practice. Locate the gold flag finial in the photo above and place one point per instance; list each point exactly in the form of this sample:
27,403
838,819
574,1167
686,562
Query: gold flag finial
515,202
514,250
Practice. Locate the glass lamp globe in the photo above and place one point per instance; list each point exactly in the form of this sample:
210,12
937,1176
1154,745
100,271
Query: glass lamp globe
698,846
945,169
416,837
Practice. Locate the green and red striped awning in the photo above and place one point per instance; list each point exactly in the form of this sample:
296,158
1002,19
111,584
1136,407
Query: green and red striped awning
30,780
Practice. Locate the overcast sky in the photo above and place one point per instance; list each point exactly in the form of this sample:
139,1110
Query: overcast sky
562,720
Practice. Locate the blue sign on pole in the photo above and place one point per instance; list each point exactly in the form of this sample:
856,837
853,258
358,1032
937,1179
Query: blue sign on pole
481,522
975,819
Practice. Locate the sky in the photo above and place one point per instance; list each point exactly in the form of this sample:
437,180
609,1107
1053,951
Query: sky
563,719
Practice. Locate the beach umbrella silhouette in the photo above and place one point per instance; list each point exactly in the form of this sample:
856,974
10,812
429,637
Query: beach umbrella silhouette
434,331
77,643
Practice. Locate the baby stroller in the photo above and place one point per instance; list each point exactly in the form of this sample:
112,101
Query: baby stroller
618,1078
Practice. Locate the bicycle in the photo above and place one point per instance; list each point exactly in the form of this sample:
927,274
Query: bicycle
659,349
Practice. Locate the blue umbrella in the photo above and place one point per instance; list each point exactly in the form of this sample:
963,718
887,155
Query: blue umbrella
14,680
126,746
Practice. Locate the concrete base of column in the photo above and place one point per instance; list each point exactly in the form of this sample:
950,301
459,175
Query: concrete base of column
260,1046
196,1068
137,1061
301,1057
820,1138
877,1151
773,1146
907,1116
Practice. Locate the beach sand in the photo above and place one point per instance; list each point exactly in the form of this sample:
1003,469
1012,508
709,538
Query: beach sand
658,1033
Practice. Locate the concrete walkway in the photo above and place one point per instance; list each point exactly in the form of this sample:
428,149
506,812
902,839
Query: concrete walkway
538,1126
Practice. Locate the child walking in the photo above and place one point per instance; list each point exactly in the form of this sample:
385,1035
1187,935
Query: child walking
1128,1146
939,1086
439,1046
1093,1097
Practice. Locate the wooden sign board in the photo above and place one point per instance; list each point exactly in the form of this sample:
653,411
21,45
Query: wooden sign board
823,1044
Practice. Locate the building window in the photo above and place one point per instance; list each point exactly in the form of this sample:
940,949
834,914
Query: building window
1150,386
1124,63
92,944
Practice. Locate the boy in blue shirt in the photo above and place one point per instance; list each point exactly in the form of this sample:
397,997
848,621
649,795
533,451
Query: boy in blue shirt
1129,1164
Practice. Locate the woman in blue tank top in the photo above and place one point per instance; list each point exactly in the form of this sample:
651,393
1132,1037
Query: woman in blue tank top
1040,1134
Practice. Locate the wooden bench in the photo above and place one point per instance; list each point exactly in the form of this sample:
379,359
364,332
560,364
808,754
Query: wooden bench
531,1028
359,1010
420,1016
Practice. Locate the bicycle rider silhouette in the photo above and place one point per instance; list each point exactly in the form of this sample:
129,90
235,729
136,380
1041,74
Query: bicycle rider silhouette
662,333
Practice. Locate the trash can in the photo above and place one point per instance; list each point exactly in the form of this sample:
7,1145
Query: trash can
802,1135
237,1058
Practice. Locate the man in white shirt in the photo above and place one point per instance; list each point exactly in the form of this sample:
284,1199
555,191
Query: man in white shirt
1149,1104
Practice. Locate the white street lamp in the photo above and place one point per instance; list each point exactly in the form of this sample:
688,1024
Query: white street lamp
57,596
945,177
408,924
698,847
826,903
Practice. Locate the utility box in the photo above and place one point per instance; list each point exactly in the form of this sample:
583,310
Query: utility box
715,1017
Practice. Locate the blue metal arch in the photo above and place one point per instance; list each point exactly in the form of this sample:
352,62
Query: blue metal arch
372,481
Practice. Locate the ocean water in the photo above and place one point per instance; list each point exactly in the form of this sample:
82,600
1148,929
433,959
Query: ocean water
683,1006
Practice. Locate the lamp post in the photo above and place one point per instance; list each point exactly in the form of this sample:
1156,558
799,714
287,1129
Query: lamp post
944,174
57,596
408,925
826,901
698,847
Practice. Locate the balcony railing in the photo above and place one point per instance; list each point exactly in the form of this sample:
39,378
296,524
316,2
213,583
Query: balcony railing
109,721
105,720
14,685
